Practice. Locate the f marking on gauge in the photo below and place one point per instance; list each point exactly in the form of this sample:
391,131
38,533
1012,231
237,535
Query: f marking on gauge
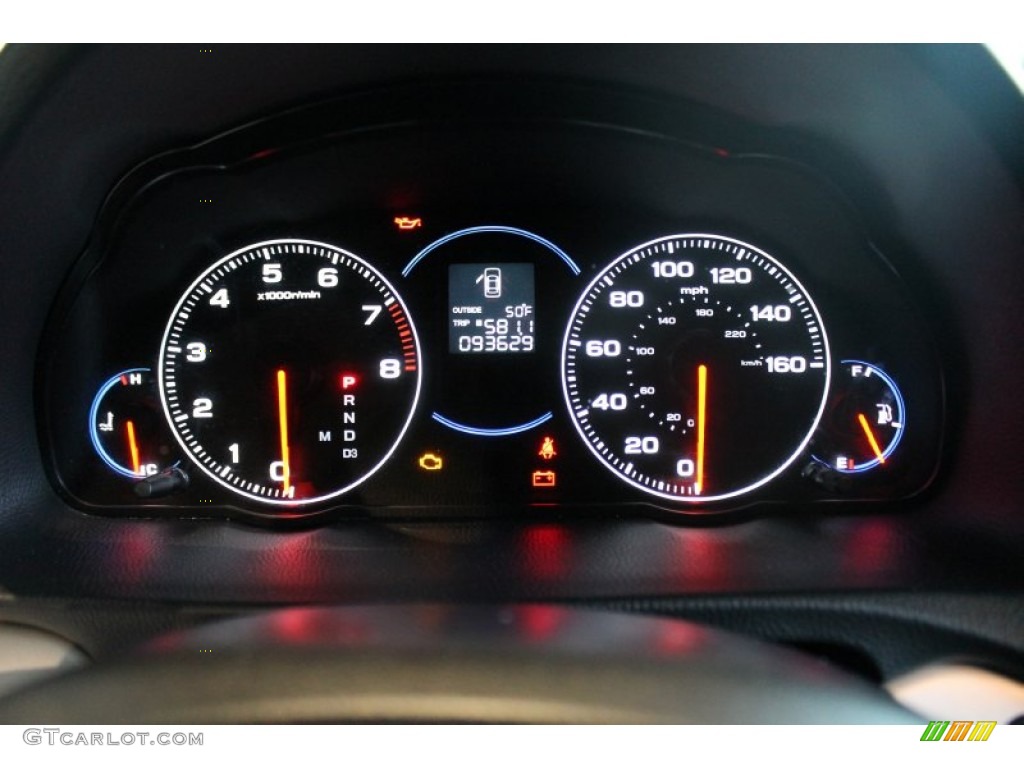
695,367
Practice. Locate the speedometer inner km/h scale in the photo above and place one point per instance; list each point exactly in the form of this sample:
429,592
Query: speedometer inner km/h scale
695,367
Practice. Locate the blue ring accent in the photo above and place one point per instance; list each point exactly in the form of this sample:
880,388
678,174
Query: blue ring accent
94,410
491,228
899,435
481,432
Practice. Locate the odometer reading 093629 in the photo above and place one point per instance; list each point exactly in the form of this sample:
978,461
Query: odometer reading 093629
289,371
695,367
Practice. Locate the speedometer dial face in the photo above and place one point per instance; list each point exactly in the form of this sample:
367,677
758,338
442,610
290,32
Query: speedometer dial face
289,371
695,367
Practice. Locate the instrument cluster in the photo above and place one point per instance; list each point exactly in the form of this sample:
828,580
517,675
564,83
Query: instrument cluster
482,317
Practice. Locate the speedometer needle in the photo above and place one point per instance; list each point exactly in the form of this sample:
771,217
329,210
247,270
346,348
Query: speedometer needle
282,422
871,437
702,407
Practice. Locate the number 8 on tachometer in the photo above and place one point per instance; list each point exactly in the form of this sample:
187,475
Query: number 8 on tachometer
695,367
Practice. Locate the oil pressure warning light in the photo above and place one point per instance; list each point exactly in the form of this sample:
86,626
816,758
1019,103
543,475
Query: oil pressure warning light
864,422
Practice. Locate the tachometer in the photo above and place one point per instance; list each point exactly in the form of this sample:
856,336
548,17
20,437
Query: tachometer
289,371
695,367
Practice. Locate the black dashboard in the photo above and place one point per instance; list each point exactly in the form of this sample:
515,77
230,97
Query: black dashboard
715,332
422,317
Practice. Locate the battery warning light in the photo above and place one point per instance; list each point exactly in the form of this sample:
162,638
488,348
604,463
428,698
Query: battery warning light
544,478
408,222
547,449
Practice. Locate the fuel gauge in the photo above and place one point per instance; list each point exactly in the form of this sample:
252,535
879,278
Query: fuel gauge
864,422
127,427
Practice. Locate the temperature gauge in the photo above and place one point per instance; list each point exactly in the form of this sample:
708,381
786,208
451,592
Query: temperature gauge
865,421
127,426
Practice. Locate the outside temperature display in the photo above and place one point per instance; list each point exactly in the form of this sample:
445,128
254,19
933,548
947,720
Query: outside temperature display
491,308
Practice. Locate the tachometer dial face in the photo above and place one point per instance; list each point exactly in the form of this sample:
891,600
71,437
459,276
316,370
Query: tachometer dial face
695,367
289,371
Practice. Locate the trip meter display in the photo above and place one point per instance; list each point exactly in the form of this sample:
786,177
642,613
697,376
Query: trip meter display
695,367
491,307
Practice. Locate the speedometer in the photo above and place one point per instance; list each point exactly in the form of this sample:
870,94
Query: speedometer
695,367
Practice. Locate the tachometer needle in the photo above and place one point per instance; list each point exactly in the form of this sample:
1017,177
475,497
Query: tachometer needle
282,422
871,437
133,447
702,408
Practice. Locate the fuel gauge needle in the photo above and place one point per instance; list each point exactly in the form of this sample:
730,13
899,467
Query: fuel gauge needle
282,423
702,407
871,437
133,446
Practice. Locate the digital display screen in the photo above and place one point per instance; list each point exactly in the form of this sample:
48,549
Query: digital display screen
490,308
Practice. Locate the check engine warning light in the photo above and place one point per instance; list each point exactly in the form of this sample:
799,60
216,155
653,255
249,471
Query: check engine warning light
547,449
544,478
431,462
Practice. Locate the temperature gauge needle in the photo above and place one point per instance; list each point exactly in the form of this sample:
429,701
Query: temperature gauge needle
702,407
871,437
133,447
282,422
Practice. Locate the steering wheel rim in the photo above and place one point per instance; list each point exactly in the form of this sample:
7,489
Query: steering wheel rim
441,664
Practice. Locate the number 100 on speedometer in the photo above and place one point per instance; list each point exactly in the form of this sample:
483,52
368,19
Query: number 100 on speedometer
695,367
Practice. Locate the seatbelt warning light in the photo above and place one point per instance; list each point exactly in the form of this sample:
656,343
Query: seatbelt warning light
547,449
